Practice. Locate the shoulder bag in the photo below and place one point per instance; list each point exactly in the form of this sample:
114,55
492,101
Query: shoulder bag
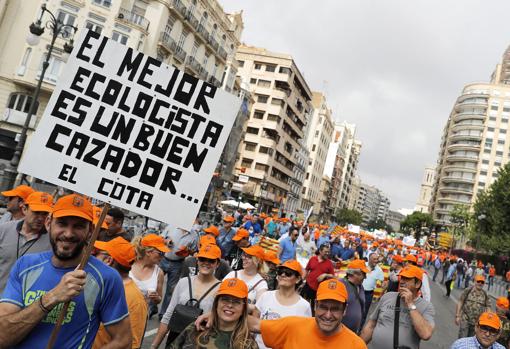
184,314
396,325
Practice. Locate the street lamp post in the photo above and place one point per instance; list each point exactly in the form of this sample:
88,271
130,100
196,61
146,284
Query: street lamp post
57,28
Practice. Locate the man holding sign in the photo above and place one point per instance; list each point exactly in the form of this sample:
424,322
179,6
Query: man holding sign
40,284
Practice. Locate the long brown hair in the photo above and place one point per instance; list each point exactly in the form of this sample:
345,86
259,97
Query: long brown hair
241,337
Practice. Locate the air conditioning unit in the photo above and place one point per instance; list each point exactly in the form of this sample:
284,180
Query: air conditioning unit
120,16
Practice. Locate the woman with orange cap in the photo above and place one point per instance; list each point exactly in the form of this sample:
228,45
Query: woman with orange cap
254,268
201,288
285,301
228,322
145,271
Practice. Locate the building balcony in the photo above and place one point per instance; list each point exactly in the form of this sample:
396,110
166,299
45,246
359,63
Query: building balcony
467,126
463,146
465,96
448,200
212,80
458,137
281,167
455,190
167,43
180,54
180,8
16,117
469,103
214,44
203,32
192,20
193,64
222,53
457,167
457,157
469,115
202,74
132,18
448,179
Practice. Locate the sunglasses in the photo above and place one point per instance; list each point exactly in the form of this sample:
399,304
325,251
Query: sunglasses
287,272
488,330
206,260
480,282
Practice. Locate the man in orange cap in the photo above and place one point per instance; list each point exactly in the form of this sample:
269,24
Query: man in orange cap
25,236
40,283
473,302
241,240
325,330
15,200
353,281
227,232
397,263
190,265
119,254
416,316
502,307
425,285
487,331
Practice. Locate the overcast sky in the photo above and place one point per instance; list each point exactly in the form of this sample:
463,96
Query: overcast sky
392,67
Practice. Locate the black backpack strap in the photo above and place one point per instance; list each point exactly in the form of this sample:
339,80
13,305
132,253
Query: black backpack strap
256,284
396,323
190,290
207,292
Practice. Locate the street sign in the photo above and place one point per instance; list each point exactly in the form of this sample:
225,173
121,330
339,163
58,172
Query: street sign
243,179
126,129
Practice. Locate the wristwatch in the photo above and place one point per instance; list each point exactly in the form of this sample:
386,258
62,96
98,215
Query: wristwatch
412,307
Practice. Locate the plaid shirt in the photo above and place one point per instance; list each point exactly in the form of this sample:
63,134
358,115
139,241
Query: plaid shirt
472,343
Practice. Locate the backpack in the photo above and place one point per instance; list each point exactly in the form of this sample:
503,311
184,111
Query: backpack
437,263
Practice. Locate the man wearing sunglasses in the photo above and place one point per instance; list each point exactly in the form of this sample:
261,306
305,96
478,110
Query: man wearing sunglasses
473,302
487,332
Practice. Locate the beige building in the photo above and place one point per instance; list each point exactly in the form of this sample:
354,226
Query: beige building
423,203
475,143
195,36
371,202
318,139
282,103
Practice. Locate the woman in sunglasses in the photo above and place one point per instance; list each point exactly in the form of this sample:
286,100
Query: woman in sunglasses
254,268
228,322
145,271
203,288
285,301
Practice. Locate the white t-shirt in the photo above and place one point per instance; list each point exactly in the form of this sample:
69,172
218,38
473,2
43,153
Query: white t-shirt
271,309
255,291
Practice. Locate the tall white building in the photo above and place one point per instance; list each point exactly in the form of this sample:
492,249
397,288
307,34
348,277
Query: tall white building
423,203
372,203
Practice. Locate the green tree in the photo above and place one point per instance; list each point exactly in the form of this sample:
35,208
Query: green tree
491,218
346,216
416,222
460,218
379,224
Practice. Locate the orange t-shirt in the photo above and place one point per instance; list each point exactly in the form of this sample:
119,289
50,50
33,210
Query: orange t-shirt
137,307
508,276
302,332
492,271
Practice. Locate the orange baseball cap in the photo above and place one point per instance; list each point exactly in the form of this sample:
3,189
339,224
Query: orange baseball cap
212,229
241,234
292,264
155,241
490,319
358,264
233,287
375,244
411,258
209,251
272,257
503,302
229,219
97,213
23,191
412,271
479,278
398,258
73,205
255,251
119,249
332,289
207,240
40,201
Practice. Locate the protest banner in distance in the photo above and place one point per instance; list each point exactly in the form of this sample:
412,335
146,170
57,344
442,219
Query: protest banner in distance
127,129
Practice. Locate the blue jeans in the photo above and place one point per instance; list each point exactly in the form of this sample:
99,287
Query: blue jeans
369,295
436,271
172,269
458,281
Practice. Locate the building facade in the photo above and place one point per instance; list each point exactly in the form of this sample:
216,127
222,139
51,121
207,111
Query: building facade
475,143
318,140
393,219
195,36
423,203
276,127
372,203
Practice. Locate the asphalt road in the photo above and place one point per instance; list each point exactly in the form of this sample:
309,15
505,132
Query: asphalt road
445,332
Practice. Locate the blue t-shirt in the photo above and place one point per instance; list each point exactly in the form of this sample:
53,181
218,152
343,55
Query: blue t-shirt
102,300
225,241
347,253
252,228
288,249
322,240
336,250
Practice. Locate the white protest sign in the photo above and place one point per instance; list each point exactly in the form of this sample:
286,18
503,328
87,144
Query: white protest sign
127,129
409,240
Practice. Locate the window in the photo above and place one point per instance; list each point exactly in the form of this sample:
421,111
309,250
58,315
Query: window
66,18
94,27
494,107
492,118
262,98
501,141
284,70
486,162
20,102
487,151
241,63
265,150
250,146
258,66
194,49
270,67
272,117
278,101
23,66
483,173
246,162
490,129
261,167
253,81
169,24
120,38
505,120
264,83
182,38
258,114
506,110
252,130
105,3
499,153
206,59
502,131
313,147
53,72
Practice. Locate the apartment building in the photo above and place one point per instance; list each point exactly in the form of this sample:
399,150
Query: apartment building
318,140
195,36
372,203
280,113
475,143
423,203
394,218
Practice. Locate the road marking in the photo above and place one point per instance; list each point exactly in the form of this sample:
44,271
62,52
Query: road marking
150,333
